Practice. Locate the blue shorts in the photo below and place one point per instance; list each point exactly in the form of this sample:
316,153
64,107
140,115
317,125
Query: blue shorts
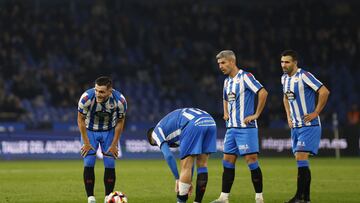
197,140
241,141
306,139
104,138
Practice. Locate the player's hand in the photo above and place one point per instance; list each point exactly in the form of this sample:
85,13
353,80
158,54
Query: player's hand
85,149
290,123
226,117
176,185
248,119
310,117
113,149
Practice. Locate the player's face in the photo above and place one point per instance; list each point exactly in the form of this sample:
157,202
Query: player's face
288,64
225,65
102,93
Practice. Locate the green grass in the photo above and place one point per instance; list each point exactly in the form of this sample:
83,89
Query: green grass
150,181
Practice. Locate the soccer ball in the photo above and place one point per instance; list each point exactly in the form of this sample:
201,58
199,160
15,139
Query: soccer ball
117,197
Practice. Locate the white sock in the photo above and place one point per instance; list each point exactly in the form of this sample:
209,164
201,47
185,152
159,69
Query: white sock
183,188
259,196
224,195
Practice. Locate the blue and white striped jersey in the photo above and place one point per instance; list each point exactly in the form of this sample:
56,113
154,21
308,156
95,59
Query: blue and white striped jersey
169,128
102,116
300,90
240,93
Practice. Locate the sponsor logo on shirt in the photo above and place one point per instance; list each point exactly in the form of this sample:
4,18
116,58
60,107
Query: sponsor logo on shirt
231,97
290,95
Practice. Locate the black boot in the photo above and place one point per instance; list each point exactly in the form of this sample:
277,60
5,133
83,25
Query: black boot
294,200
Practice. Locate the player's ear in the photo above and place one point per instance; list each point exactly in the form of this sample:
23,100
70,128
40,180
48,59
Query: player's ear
149,136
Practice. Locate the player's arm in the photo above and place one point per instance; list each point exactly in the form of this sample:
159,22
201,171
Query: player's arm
226,112
119,128
323,94
287,110
170,159
262,95
82,128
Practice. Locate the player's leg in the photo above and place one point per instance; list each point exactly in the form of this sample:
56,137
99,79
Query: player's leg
294,139
256,176
305,141
109,162
89,163
208,147
249,147
303,173
202,176
186,165
231,153
310,138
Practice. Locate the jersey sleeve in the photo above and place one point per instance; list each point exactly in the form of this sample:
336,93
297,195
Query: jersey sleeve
251,83
158,135
122,107
170,159
311,81
283,82
84,103
224,90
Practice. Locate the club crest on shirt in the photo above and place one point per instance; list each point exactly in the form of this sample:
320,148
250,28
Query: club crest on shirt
231,97
296,79
110,105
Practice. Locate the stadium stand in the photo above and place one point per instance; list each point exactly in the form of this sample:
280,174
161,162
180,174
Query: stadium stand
161,59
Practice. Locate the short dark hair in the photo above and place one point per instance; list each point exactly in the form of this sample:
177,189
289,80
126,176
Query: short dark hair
291,53
104,81
149,136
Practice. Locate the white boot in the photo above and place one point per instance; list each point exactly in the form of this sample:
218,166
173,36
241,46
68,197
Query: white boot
91,199
259,198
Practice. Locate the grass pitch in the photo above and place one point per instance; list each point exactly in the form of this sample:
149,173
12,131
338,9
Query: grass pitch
150,181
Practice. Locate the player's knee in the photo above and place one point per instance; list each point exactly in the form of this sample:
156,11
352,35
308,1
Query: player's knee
251,158
302,156
109,162
201,160
89,161
230,158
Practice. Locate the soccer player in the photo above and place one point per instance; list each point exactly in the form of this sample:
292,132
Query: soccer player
300,88
241,138
194,132
101,116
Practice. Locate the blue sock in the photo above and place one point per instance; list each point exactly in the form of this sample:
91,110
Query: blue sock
302,163
202,170
227,164
254,165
